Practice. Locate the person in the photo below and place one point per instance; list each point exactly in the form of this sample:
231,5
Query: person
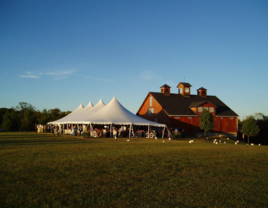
52,130
121,131
104,131
114,132
45,128
57,130
80,129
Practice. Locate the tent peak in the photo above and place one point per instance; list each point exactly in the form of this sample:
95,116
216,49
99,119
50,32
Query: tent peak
100,103
89,105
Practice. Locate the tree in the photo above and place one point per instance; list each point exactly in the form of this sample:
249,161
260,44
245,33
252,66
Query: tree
11,121
250,127
2,113
45,116
55,114
29,119
206,121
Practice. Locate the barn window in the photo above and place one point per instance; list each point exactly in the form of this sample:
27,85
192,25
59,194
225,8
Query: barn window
189,117
186,89
151,101
206,108
151,110
231,118
211,109
200,109
177,117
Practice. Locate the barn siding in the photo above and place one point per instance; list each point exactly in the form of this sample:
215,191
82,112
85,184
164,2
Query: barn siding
159,113
224,124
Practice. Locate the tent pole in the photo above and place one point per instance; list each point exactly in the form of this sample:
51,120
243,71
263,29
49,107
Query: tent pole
133,130
91,129
129,130
148,131
163,132
111,131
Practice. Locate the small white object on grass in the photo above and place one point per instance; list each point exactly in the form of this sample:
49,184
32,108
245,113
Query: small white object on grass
228,138
235,143
259,144
252,144
128,140
155,137
216,142
224,142
115,137
163,141
220,141
169,139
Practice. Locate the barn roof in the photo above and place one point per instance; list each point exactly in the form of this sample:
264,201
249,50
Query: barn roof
176,104
201,88
165,85
199,103
185,84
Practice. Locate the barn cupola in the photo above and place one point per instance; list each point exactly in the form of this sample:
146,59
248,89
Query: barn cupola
202,92
184,89
165,89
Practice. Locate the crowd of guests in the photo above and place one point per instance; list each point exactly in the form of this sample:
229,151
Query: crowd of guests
103,131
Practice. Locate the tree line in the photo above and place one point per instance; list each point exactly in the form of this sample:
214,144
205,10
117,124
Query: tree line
253,129
24,117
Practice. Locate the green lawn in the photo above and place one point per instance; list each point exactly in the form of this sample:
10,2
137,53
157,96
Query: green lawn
41,170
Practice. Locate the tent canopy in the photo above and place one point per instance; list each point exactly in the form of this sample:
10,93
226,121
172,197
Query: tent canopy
70,116
115,113
112,113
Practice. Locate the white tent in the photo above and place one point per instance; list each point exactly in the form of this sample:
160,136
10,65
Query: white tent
112,114
69,117
79,114
115,113
84,115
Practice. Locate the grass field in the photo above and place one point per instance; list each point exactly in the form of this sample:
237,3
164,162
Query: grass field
41,170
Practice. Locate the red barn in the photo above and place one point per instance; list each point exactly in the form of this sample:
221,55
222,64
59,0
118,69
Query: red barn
182,110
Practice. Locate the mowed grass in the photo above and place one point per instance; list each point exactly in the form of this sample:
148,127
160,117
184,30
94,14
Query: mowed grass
41,170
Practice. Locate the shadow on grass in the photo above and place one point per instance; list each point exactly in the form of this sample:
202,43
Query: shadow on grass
42,142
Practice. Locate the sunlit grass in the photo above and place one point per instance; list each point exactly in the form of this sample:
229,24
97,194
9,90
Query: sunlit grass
41,170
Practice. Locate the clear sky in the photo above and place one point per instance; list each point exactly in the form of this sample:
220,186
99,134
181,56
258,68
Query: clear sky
58,54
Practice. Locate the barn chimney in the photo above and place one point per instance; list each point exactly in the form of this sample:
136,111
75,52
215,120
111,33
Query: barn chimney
202,92
165,89
184,89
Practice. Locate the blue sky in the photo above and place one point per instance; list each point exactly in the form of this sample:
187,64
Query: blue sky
58,54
